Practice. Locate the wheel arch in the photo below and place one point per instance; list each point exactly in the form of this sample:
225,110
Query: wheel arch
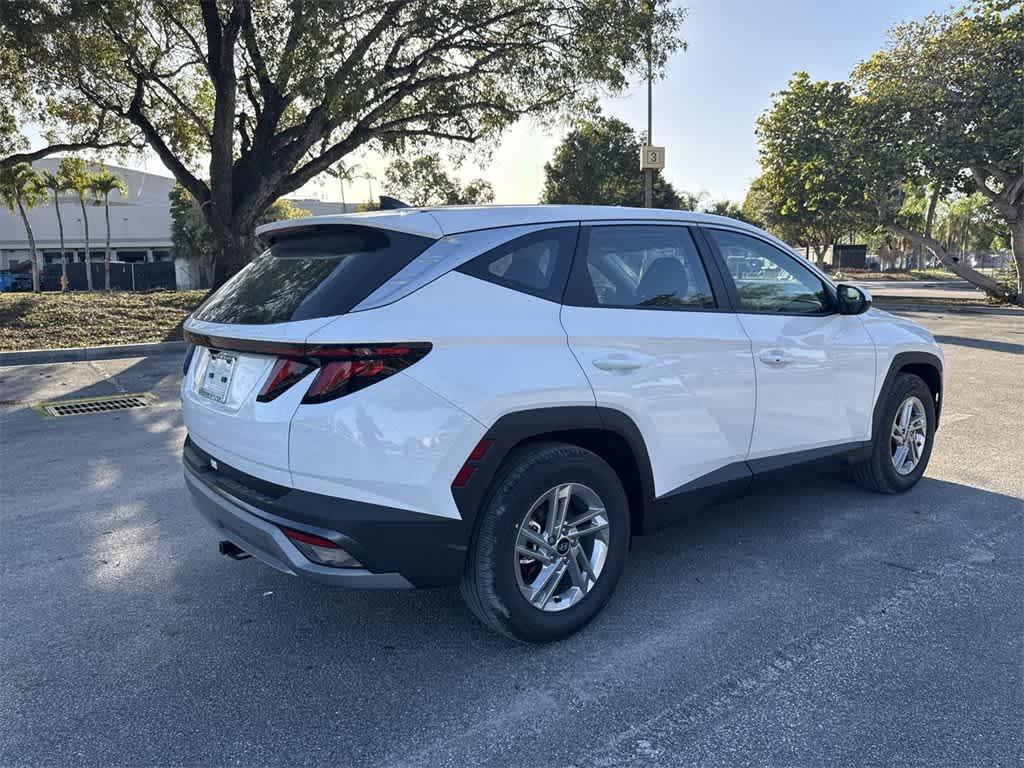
607,432
925,365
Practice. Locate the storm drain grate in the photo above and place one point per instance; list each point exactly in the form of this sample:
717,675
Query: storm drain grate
94,405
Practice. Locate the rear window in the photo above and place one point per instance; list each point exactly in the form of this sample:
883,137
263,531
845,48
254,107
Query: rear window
312,272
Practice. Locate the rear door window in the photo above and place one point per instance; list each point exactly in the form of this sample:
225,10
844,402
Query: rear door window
312,272
640,267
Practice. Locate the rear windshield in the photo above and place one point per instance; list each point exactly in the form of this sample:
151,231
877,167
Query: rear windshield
312,272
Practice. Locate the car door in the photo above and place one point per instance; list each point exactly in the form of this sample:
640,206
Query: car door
648,324
815,368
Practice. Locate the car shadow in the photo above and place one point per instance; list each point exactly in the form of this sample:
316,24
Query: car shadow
989,344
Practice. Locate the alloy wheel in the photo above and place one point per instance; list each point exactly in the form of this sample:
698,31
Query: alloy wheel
909,434
561,547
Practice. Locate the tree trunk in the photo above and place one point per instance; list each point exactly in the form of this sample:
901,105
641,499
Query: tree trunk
106,255
819,255
31,247
88,255
957,266
928,222
235,249
1017,245
63,255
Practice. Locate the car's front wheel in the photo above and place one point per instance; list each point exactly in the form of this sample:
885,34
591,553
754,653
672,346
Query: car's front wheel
903,444
550,543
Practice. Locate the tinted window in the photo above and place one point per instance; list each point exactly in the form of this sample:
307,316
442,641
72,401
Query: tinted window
537,263
312,272
769,280
643,267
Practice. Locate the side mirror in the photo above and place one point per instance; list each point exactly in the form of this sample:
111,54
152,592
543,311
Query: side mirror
853,300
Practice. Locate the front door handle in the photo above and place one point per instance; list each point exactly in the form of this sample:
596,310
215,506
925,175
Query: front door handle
775,357
618,363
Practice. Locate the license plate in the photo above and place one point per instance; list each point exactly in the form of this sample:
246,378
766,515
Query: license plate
217,377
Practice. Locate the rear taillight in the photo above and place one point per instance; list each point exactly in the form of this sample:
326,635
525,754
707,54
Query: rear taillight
284,373
342,369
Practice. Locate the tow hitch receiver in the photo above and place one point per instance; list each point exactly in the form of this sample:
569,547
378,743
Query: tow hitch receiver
233,550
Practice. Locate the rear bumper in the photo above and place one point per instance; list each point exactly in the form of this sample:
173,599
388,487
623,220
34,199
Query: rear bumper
399,549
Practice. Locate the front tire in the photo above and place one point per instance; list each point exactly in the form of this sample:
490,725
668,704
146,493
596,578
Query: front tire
901,448
550,543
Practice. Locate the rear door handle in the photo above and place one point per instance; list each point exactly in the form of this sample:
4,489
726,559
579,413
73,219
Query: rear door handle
775,357
618,363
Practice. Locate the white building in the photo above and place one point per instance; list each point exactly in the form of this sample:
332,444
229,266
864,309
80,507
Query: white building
140,223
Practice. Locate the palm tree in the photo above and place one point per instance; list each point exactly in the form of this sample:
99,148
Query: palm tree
20,190
344,173
369,178
57,183
75,170
103,183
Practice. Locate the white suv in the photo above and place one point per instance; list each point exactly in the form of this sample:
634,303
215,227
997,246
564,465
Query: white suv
501,397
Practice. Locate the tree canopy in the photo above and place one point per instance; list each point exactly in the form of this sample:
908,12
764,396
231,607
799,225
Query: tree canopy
808,174
598,163
424,181
267,94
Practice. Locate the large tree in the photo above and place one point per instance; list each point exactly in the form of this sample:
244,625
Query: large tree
192,239
808,175
942,105
67,124
271,93
424,181
598,163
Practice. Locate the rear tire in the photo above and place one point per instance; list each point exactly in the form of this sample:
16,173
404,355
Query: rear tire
525,585
899,457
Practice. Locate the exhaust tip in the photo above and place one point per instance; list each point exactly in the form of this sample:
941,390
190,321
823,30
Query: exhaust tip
232,550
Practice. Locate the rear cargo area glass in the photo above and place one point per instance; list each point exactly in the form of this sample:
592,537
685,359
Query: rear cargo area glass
312,272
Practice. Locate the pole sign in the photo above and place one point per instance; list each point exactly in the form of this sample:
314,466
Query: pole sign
652,158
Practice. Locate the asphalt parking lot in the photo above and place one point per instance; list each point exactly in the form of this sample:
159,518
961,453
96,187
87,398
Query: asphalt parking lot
807,624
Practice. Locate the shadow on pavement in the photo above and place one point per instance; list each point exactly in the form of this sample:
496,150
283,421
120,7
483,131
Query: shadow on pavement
989,344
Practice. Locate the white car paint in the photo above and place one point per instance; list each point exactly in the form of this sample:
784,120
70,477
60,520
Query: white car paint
700,395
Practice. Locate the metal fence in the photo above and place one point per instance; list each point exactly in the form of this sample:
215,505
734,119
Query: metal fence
124,276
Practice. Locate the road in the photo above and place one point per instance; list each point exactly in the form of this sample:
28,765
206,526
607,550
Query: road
807,624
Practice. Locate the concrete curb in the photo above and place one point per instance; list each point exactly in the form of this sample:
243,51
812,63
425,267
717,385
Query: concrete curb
78,354
963,309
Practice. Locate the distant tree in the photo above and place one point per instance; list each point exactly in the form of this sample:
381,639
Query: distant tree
728,208
344,173
20,190
57,183
808,175
942,106
598,163
192,239
269,99
692,201
760,209
79,179
103,183
424,181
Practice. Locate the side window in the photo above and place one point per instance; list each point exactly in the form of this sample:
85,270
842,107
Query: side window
537,263
769,280
642,267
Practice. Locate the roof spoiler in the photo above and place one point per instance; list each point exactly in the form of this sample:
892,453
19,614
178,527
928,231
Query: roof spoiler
388,203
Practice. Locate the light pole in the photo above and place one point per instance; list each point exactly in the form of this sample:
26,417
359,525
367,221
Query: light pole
649,172
652,158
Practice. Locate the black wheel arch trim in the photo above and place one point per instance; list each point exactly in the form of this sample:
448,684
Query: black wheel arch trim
897,365
557,423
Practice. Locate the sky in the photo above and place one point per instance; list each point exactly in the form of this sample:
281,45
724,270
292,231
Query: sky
739,53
